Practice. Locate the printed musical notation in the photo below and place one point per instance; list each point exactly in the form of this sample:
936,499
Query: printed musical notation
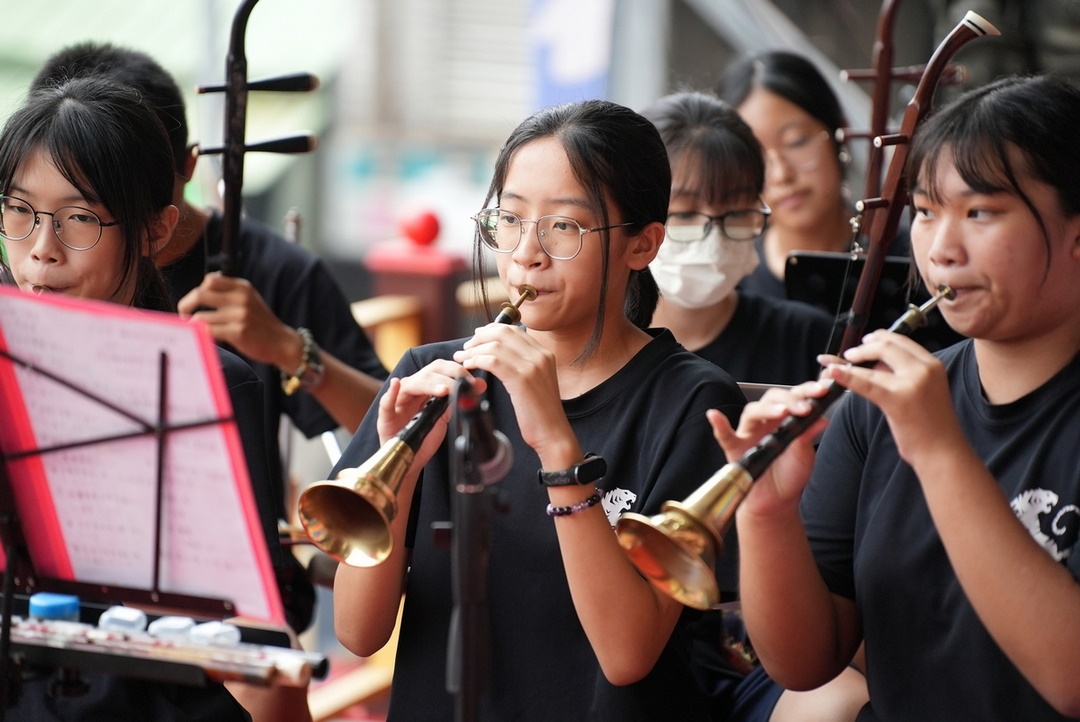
88,513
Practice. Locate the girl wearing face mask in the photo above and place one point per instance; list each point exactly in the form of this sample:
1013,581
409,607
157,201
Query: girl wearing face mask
714,217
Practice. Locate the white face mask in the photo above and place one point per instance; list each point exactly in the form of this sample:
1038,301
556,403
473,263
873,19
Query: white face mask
702,273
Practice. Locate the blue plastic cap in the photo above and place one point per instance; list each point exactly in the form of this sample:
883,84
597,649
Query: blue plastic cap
48,605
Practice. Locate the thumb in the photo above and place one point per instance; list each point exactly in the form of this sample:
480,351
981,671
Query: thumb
723,432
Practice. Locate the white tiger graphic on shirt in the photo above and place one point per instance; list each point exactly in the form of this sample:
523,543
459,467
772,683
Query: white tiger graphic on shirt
616,502
1032,504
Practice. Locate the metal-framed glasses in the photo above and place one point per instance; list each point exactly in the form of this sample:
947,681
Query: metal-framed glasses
76,227
743,225
560,237
802,152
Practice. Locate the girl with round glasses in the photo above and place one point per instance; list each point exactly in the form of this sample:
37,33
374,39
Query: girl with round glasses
714,217
795,114
574,632
75,154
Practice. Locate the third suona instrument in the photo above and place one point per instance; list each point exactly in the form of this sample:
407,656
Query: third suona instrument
349,517
676,550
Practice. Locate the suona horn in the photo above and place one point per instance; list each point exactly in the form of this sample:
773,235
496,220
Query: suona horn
349,517
676,550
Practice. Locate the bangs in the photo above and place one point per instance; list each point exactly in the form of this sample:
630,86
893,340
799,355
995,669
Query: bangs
975,144
70,166
984,165
719,175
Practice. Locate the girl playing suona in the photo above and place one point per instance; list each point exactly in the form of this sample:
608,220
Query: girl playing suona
580,197
940,517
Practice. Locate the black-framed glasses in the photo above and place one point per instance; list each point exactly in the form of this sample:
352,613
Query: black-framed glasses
76,227
742,225
560,237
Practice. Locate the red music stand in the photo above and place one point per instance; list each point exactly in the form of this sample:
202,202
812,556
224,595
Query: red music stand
92,396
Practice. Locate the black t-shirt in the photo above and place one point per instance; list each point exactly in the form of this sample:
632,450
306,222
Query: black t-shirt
761,281
246,394
648,421
299,289
124,699
771,341
928,655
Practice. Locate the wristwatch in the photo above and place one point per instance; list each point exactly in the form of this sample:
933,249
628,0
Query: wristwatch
311,369
588,471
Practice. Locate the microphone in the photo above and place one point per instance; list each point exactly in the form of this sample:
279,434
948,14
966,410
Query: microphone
492,455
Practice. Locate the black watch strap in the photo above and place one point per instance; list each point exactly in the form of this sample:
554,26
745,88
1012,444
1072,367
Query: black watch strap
592,469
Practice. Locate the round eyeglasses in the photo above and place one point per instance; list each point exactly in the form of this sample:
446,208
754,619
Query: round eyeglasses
803,152
77,228
745,225
560,237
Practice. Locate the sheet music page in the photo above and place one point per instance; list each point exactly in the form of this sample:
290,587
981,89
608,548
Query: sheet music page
88,513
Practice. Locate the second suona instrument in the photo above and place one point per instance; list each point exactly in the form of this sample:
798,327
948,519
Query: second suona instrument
676,550
349,517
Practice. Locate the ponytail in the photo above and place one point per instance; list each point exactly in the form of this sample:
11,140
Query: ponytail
642,295
151,291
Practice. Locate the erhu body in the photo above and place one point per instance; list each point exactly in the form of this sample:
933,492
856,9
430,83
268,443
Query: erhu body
349,518
676,550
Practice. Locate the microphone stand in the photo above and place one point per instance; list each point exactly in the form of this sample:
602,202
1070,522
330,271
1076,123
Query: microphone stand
473,507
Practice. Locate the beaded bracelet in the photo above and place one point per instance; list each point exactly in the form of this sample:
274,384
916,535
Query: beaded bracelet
575,508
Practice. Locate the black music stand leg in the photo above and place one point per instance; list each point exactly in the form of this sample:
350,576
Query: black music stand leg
159,502
10,669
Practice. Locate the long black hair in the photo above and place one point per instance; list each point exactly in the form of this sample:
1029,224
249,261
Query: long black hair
617,156
112,147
